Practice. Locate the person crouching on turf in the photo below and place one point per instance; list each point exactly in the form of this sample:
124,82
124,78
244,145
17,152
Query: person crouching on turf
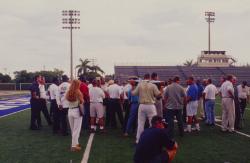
150,148
96,95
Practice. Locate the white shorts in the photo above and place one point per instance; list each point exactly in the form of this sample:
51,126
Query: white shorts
192,107
96,110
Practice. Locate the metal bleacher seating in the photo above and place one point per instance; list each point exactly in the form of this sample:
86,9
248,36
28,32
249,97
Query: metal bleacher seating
165,72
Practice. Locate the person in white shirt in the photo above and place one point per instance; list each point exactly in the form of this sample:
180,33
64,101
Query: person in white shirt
228,107
53,91
184,114
63,104
107,104
96,95
115,96
90,85
126,105
104,87
158,101
240,99
209,95
243,93
43,102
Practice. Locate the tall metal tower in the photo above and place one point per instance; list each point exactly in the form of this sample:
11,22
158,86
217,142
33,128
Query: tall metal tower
210,18
71,22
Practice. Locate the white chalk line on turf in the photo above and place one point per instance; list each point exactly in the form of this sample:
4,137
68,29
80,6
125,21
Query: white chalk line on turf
14,113
238,132
88,148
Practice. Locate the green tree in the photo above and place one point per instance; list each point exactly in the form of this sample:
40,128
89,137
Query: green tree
27,77
5,78
88,71
83,67
190,63
96,69
49,75
23,76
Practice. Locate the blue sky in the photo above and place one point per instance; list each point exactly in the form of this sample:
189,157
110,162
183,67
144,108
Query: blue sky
155,32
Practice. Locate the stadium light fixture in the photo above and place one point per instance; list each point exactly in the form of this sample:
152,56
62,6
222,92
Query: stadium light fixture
71,21
210,18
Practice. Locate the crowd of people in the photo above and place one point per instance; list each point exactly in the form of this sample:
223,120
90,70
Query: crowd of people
138,104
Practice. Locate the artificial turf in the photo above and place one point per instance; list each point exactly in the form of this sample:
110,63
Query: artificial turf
209,145
20,145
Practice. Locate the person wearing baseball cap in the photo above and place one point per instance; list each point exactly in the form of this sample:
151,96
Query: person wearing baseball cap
155,145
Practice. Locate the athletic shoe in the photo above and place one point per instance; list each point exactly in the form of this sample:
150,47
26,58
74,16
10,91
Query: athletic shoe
75,149
197,127
193,129
223,130
188,129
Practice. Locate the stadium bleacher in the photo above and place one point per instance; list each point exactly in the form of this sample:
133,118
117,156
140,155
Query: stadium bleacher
165,72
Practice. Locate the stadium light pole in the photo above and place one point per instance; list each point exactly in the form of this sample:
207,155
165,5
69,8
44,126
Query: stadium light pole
71,21
210,18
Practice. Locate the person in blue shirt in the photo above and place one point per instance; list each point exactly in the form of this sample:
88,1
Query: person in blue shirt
200,99
134,105
155,145
192,104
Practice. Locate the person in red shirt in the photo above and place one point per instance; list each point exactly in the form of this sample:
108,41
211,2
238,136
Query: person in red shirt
85,92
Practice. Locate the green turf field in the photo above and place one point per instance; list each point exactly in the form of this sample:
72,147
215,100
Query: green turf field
20,145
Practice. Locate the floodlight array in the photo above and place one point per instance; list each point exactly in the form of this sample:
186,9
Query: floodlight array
70,17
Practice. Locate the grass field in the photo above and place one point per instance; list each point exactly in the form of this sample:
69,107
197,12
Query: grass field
20,145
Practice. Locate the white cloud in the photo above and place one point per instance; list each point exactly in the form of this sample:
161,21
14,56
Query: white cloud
115,31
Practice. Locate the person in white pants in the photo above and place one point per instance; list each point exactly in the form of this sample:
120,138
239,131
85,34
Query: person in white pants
192,104
147,93
75,98
228,106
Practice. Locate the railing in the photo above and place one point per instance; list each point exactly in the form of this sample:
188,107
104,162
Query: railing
8,86
18,86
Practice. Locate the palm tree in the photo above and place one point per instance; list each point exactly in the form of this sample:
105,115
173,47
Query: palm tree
97,69
189,63
83,67
87,70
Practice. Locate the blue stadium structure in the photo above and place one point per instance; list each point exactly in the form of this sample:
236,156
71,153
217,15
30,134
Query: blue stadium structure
122,73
